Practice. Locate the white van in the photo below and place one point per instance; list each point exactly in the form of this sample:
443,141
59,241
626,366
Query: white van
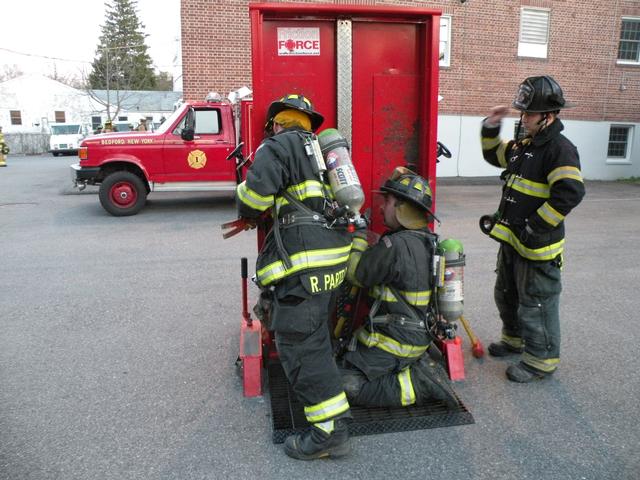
66,137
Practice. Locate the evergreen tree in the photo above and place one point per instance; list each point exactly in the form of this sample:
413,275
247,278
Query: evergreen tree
122,61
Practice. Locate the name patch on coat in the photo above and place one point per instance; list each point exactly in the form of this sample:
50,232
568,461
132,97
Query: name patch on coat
323,282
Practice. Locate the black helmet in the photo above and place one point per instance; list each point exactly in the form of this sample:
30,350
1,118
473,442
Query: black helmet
540,94
296,102
409,186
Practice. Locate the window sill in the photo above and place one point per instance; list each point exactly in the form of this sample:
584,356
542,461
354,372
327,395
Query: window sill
627,63
618,161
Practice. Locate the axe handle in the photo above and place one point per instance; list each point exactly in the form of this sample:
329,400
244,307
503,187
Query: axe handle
476,346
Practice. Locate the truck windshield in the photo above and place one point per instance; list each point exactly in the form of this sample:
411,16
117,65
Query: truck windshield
65,129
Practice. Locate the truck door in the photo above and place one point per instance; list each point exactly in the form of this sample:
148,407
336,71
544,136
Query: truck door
203,158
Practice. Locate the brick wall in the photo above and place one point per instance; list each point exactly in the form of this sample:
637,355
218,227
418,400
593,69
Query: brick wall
485,69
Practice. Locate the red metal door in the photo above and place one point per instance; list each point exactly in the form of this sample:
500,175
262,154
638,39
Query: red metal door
392,87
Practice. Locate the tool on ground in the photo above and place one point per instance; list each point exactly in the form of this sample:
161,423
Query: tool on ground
476,346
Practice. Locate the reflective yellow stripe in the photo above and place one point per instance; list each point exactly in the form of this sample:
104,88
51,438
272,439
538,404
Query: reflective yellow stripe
515,342
327,257
500,154
502,232
560,173
419,298
388,344
253,199
543,364
490,143
359,244
407,394
528,187
302,191
550,214
328,409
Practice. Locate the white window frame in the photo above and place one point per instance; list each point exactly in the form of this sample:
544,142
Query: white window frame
445,61
533,49
626,160
627,62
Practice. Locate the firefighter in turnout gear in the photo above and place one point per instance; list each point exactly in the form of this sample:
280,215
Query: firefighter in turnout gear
543,184
302,262
390,365
4,150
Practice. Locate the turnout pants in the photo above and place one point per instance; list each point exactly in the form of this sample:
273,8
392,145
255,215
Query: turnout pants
301,327
527,295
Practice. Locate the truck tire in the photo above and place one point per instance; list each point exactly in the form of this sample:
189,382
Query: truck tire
122,193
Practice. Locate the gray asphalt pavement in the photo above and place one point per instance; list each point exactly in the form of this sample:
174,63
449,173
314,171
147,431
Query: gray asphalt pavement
118,338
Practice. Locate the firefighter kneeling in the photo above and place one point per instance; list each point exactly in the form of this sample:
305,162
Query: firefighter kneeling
390,364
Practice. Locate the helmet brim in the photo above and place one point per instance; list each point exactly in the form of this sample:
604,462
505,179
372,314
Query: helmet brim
277,107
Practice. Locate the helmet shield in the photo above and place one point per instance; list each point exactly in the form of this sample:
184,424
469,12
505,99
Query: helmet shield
525,96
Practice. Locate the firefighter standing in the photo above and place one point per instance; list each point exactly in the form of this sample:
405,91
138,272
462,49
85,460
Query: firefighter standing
303,262
543,184
4,150
390,365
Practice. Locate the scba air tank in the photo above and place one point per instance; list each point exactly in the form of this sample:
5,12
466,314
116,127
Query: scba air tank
451,293
342,174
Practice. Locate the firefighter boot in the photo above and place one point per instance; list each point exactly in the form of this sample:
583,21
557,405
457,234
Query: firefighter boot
522,373
3,162
317,442
430,381
502,349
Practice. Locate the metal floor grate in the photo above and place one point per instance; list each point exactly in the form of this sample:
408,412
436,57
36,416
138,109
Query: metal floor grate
287,413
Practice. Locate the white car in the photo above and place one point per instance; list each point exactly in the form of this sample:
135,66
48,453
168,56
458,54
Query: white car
66,137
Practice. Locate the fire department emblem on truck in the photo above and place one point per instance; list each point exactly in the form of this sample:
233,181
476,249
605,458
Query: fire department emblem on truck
197,159
298,41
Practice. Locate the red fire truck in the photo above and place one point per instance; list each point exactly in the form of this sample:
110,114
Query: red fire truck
188,152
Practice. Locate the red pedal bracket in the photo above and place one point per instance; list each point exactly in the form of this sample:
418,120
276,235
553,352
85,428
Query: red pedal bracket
452,350
251,357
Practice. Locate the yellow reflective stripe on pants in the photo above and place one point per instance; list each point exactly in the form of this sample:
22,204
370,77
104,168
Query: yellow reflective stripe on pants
528,187
515,342
502,232
415,298
327,257
254,199
407,394
546,365
388,344
572,173
328,409
550,214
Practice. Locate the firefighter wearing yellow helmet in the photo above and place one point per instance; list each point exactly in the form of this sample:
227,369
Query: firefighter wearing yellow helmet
391,366
303,261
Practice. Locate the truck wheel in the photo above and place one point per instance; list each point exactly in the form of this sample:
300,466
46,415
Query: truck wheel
122,194
55,154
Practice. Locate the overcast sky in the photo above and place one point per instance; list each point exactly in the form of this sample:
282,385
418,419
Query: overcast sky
67,31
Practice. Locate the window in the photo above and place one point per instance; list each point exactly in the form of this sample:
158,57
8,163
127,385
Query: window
16,117
629,48
207,122
96,122
534,32
445,41
620,137
59,117
123,118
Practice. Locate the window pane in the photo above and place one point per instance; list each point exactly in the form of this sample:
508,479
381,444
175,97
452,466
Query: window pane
207,122
16,117
629,47
618,137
